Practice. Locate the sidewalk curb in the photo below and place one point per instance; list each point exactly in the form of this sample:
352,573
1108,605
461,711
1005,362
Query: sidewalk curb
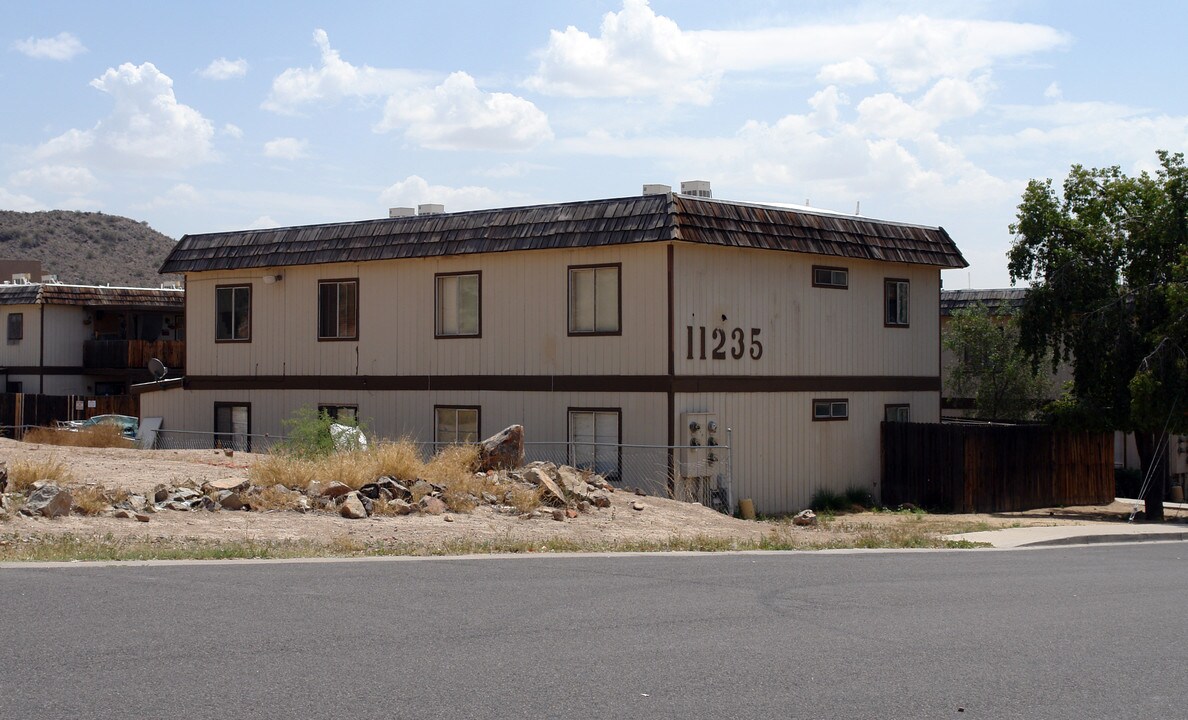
1102,539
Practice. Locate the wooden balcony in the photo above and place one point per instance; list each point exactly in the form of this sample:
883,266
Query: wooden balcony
133,353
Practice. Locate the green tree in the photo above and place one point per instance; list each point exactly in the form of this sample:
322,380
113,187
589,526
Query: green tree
1107,260
991,366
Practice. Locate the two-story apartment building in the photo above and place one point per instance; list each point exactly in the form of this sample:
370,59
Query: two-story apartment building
86,339
650,320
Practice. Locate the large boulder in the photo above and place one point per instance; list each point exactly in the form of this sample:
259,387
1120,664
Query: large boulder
48,500
352,507
502,451
552,493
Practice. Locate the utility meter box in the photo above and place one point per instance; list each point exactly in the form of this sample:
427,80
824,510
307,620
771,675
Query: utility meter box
701,433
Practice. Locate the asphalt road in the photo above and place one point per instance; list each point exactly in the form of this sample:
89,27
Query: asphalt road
1093,632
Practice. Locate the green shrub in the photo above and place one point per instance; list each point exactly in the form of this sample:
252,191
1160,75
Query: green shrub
308,433
860,496
828,501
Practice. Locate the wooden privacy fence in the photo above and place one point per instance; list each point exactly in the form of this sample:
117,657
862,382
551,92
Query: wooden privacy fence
18,409
981,468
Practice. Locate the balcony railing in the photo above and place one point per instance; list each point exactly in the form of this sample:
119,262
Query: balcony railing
133,353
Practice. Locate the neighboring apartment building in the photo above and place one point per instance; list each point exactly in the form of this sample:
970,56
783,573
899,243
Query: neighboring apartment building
84,339
650,320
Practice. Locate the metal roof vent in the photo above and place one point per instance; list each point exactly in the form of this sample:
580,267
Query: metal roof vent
401,212
430,209
656,189
696,188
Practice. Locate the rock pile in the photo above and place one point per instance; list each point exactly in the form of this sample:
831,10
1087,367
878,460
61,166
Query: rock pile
563,491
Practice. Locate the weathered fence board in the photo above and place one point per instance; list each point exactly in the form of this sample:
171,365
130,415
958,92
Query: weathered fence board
976,468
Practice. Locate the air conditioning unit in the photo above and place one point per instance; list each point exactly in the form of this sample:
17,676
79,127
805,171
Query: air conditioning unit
21,278
696,188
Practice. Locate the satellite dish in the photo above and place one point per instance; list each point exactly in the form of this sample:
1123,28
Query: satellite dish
157,369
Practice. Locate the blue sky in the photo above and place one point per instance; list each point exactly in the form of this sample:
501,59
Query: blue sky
213,116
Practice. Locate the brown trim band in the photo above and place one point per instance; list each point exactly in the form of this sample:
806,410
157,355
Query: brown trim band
571,383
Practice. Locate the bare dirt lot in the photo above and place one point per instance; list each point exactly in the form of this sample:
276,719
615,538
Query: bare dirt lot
661,524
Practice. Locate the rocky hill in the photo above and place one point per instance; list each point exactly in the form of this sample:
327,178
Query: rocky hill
86,248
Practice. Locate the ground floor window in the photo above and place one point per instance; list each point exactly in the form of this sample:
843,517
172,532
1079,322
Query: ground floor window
454,424
348,414
897,413
14,386
233,426
594,440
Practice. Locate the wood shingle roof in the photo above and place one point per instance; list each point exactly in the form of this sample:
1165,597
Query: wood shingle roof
91,296
620,221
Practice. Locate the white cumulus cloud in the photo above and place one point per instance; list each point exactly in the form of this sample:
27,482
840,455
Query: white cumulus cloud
414,190
456,115
637,54
14,201
334,80
62,46
232,130
285,148
148,127
224,69
62,179
848,72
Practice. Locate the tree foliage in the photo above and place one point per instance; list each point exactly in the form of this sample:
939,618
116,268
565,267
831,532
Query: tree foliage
991,367
1107,259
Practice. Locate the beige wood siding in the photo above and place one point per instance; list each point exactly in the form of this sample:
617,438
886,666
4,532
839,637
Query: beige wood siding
804,330
524,319
65,334
26,351
780,456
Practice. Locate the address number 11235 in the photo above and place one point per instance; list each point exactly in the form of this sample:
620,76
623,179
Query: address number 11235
737,343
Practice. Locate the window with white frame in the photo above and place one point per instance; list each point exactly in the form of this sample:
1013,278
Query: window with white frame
233,313
594,300
831,409
338,310
594,440
897,413
455,424
459,305
895,294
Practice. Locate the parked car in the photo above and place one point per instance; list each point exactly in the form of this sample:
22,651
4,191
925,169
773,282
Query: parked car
128,425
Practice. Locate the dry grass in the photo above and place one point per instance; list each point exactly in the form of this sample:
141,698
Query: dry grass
524,498
453,468
286,470
269,498
23,473
91,500
399,459
97,436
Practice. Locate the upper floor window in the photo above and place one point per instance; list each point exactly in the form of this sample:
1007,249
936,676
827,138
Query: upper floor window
831,277
338,310
233,310
594,300
831,409
897,413
895,296
459,308
16,327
